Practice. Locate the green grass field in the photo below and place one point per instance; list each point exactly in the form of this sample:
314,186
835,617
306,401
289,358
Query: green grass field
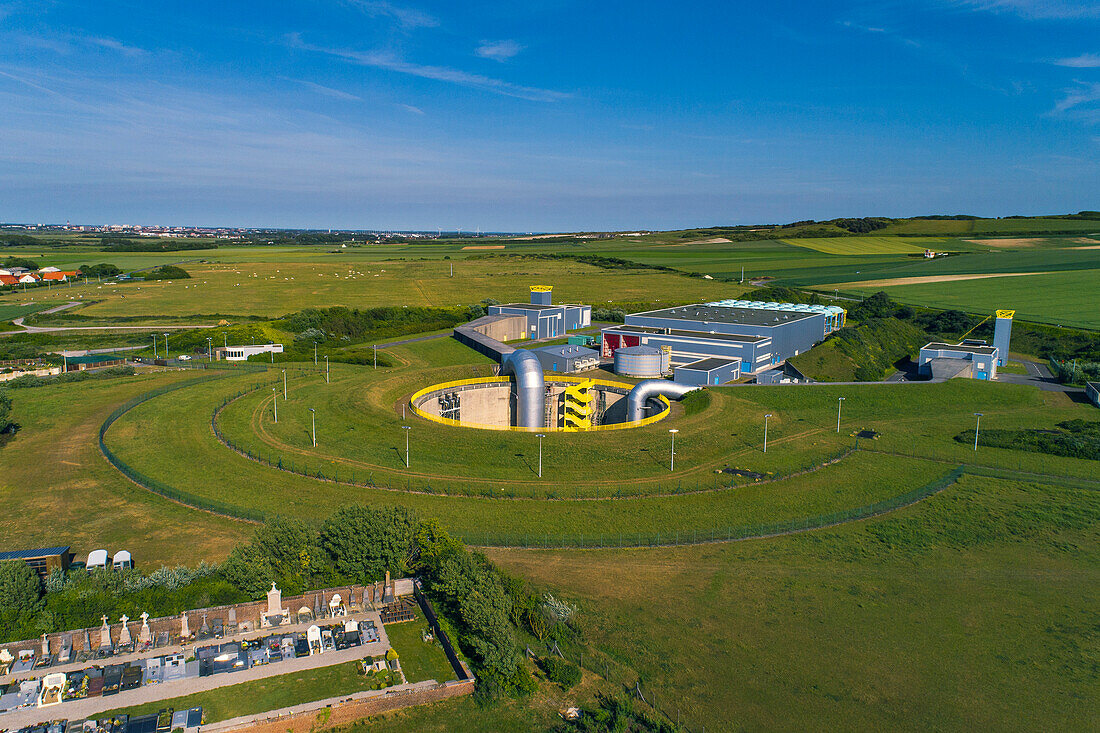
1063,298
420,660
866,245
975,609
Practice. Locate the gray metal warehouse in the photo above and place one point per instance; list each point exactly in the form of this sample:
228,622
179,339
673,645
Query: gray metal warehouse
568,358
710,371
757,334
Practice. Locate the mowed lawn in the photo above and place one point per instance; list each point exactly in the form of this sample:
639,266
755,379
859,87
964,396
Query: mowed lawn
973,610
866,245
1067,298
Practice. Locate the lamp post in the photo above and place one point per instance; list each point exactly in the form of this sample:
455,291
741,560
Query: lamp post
313,414
376,356
284,385
540,436
275,403
314,353
225,339
209,349
165,346
766,431
326,368
839,402
406,428
977,425
154,347
672,455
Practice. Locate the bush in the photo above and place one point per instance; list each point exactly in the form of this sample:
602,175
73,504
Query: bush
167,272
561,671
103,269
1075,439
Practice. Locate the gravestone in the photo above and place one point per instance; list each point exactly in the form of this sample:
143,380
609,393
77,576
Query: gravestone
274,601
317,607
146,635
124,637
105,634
185,630
87,641
233,616
45,646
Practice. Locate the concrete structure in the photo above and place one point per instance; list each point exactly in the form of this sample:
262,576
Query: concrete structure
710,371
241,353
1002,334
1092,391
92,361
44,560
545,320
973,359
758,334
567,359
641,361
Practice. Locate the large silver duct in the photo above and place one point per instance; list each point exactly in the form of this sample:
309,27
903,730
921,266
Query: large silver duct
644,391
530,387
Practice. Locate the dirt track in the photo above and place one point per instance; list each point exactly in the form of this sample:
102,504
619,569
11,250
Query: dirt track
926,279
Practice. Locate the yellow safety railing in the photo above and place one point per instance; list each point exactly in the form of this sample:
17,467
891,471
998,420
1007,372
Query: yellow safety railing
666,405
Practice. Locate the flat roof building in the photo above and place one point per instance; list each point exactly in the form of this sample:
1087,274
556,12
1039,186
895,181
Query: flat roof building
972,359
241,353
567,359
757,334
544,319
43,560
710,371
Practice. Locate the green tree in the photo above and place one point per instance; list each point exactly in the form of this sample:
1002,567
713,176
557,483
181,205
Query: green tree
20,589
364,542
432,545
5,410
283,551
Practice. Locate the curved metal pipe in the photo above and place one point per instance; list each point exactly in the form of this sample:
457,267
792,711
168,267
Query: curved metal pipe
530,387
637,398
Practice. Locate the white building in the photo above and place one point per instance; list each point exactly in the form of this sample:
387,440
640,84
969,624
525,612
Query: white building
241,353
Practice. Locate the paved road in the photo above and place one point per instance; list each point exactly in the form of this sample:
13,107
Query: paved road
52,329
1038,375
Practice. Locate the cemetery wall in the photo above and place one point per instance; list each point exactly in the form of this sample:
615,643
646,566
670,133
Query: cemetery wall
244,613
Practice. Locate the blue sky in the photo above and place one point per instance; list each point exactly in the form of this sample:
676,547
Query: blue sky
545,115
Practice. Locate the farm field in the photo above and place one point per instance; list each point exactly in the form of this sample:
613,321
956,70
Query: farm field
867,245
1064,298
975,609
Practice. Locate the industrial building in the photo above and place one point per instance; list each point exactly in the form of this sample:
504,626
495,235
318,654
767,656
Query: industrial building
971,358
567,359
241,353
756,334
710,371
1092,391
544,319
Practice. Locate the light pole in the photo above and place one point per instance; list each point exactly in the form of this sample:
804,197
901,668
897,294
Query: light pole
313,413
540,436
154,347
284,385
326,368
977,425
406,428
275,403
315,353
766,431
839,402
209,349
376,356
165,346
225,339
672,455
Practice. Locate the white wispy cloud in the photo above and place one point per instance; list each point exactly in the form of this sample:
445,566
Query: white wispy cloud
498,50
1037,9
322,89
390,62
864,28
1084,61
406,17
116,45
411,108
1083,95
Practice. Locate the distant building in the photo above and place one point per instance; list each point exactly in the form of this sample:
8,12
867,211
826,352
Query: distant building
44,560
241,353
711,371
92,361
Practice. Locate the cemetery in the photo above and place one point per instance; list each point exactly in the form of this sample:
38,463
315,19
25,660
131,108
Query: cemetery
77,675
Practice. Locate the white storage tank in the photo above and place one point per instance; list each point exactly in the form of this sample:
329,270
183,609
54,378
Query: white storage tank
641,361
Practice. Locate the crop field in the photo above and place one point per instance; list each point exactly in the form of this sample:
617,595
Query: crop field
866,245
1066,298
992,226
975,609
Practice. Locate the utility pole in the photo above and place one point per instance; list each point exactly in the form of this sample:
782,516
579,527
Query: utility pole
326,369
154,347
839,402
314,353
977,426
406,428
376,356
275,403
766,431
313,413
165,346
284,385
672,456
540,436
